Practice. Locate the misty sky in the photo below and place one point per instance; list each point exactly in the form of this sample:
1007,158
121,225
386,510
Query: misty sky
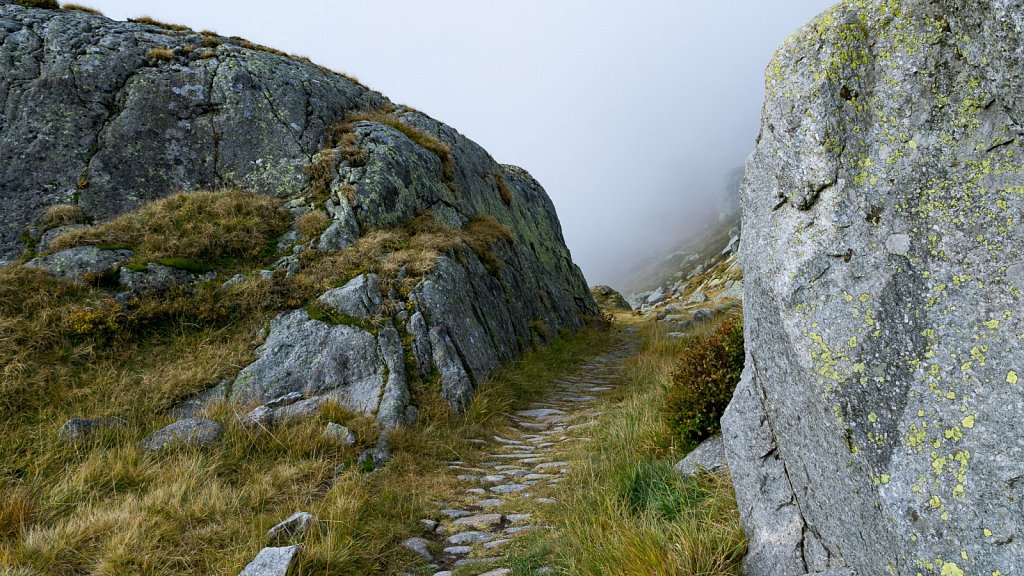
629,113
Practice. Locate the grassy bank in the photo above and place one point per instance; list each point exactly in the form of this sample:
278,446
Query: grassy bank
624,510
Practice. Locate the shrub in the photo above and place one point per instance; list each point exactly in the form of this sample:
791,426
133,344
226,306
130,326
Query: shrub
161,54
206,227
81,8
703,381
159,24
62,214
52,4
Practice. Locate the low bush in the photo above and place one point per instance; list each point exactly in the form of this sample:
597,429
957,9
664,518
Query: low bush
703,381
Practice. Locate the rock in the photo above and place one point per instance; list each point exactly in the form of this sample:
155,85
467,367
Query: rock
655,297
273,562
286,400
82,264
419,546
498,571
878,426
295,526
360,298
301,410
733,291
187,432
470,537
339,434
82,428
429,524
608,298
314,358
731,246
483,522
697,298
709,457
154,278
124,130
703,315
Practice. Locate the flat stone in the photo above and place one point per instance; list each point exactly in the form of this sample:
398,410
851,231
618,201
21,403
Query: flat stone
470,537
458,550
481,521
490,503
295,526
272,562
517,529
518,518
709,456
551,465
508,488
534,477
419,546
186,432
492,479
429,524
539,413
547,501
498,571
81,428
471,561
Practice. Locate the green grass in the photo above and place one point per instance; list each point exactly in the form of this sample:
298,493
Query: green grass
623,509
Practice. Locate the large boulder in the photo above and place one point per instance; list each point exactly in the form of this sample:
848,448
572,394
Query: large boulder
879,425
99,114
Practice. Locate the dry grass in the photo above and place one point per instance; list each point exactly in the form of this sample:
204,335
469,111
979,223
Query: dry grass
62,215
312,224
51,4
81,8
624,510
159,24
321,172
503,189
206,227
161,54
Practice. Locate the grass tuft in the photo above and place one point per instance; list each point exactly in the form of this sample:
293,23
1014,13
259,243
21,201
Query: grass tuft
49,4
159,24
312,224
81,8
207,227
421,138
161,54
62,215
503,189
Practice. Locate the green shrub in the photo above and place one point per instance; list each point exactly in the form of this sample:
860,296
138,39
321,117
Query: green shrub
703,381
52,4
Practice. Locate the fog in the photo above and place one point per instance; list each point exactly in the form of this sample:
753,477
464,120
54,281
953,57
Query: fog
629,113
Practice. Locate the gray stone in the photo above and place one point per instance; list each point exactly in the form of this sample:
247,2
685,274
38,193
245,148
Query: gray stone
286,400
339,434
273,562
185,432
456,386
419,546
879,426
508,488
82,264
314,358
497,571
154,278
607,297
470,537
394,400
295,526
708,457
697,298
360,298
483,522
429,524
703,315
655,297
83,428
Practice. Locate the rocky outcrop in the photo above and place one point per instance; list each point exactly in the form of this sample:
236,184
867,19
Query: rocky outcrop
877,428
609,298
107,115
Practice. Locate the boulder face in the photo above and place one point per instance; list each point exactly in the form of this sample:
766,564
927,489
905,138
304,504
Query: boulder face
107,115
879,425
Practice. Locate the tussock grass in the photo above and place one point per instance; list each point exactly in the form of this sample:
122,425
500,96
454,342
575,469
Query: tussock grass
624,510
209,227
62,214
503,189
159,24
161,54
312,224
50,4
81,8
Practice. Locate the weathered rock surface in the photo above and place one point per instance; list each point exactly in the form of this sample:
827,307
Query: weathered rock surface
878,426
608,297
273,561
82,264
294,526
708,457
184,432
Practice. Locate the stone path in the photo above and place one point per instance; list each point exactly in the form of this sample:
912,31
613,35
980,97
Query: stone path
521,470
